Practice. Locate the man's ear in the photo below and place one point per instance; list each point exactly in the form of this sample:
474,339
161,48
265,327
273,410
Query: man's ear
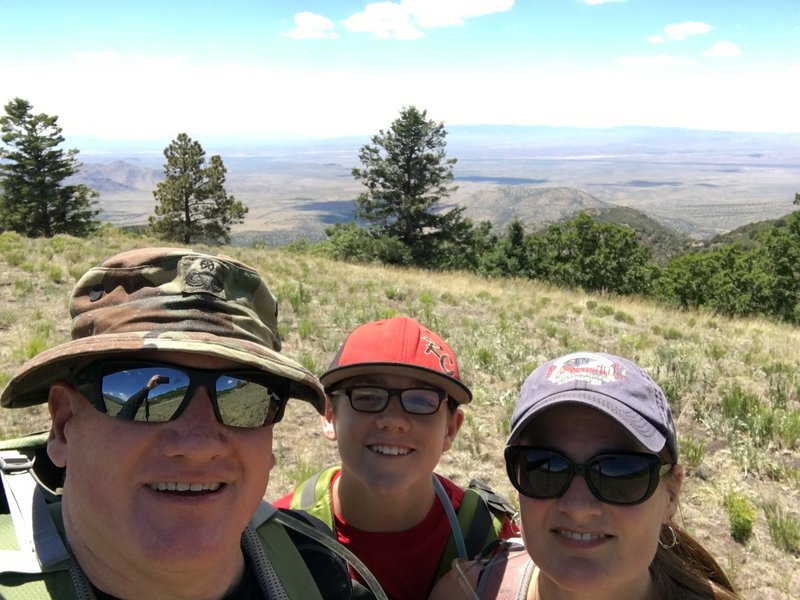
60,402
454,422
328,421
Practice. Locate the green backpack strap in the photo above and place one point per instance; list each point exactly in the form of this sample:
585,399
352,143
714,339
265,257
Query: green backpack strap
278,565
315,530
480,519
313,495
497,504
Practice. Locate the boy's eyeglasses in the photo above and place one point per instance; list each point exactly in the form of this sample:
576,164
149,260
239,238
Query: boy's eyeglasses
621,478
374,399
156,392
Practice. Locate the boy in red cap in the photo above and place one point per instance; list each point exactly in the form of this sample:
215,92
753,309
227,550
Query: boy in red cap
394,406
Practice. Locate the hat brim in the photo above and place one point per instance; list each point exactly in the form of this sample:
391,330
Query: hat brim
640,428
454,388
31,383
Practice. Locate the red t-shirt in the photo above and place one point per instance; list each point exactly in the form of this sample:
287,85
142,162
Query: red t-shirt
404,562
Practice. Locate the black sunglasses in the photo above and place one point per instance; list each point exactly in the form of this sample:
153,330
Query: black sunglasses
623,478
156,392
374,399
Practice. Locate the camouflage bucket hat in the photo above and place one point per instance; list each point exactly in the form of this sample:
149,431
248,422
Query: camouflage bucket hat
167,299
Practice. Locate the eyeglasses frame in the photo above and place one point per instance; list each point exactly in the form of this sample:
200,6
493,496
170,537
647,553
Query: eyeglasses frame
396,392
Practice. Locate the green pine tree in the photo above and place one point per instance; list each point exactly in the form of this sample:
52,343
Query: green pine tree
407,173
191,203
36,200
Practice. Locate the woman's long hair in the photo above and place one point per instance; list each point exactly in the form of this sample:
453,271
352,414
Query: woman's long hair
686,570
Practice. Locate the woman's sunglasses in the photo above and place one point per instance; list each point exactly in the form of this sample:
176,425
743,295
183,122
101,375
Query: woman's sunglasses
156,392
621,478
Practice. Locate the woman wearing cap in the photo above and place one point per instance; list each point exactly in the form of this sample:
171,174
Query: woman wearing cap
593,454
395,407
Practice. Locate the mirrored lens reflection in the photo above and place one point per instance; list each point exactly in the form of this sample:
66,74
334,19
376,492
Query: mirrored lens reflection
623,478
155,394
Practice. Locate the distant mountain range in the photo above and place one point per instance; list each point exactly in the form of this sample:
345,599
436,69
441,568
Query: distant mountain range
697,183
119,176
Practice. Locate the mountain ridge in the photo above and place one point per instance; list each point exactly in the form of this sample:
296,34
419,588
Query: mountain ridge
700,183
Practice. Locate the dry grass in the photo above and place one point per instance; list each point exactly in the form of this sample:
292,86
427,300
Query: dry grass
500,329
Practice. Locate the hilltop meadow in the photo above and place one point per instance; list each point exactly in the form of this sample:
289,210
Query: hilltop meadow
734,385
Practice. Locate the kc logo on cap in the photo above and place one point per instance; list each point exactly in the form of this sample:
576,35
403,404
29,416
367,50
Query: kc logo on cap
446,361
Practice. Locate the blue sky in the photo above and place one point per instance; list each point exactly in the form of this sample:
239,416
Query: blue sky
300,68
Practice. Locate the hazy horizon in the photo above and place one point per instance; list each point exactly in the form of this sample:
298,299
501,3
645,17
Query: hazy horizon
458,136
313,69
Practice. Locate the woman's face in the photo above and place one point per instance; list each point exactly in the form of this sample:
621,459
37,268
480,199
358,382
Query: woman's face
580,544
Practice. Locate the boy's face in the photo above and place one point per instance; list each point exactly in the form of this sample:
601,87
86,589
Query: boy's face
391,452
121,505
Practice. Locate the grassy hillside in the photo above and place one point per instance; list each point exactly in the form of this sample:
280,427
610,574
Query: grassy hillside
734,384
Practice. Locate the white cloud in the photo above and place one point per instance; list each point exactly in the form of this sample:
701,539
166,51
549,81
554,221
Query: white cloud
594,2
680,31
383,20
406,19
723,49
311,26
447,13
656,39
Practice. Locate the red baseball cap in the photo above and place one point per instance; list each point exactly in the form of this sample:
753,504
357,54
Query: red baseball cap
398,346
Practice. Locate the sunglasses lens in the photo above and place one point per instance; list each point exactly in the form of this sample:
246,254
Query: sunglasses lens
538,473
612,478
155,394
620,478
246,403
150,394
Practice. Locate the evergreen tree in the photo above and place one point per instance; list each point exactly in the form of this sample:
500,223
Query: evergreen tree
508,255
407,173
598,257
36,201
191,203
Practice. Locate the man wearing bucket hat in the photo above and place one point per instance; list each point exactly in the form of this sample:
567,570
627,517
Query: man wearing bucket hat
160,449
394,407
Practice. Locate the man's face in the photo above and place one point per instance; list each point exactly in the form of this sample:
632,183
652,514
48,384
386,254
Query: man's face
391,452
157,498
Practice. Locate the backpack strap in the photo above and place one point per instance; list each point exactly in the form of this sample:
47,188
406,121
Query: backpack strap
477,520
507,574
314,529
499,505
313,495
456,536
40,545
480,526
